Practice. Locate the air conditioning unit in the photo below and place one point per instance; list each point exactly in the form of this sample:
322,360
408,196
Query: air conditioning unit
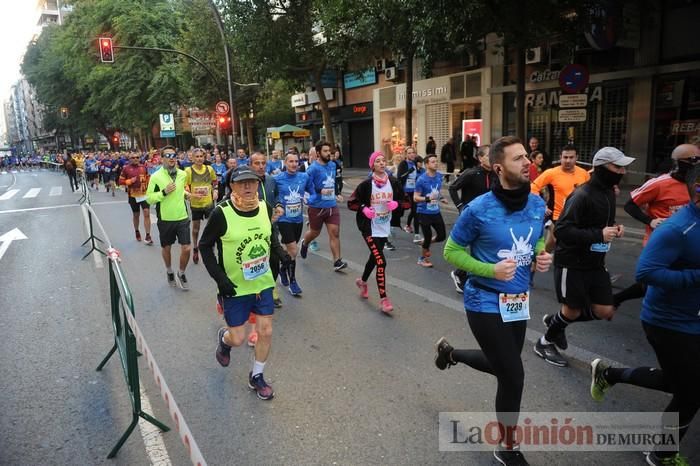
533,55
390,73
380,64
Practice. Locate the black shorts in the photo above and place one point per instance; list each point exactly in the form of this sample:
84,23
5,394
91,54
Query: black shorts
290,232
201,214
135,205
578,289
170,231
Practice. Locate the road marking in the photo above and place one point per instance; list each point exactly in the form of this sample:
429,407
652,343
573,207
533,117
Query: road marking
34,192
96,256
56,191
9,194
582,356
152,436
63,206
8,238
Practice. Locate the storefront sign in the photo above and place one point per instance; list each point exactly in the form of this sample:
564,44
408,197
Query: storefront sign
359,109
572,115
551,98
201,122
363,78
545,75
685,127
472,128
299,100
573,100
427,91
312,97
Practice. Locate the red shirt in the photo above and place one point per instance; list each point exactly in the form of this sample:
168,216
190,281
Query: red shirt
662,196
139,187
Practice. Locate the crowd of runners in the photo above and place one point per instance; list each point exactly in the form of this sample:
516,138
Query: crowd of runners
243,217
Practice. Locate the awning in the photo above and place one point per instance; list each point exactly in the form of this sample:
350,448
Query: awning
288,131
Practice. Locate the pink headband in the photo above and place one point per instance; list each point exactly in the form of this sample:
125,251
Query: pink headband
373,157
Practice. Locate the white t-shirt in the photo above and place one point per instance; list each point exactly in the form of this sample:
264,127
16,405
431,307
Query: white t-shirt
381,223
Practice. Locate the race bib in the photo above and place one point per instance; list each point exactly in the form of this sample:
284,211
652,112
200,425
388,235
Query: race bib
140,199
410,183
328,194
600,247
433,205
514,307
202,191
107,169
292,210
383,217
255,268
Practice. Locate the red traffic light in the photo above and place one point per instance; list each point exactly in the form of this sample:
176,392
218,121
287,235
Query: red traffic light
222,120
106,50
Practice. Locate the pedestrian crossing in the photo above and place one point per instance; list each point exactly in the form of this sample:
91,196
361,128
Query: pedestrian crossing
34,193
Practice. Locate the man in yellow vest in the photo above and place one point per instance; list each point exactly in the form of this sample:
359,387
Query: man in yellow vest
202,185
240,231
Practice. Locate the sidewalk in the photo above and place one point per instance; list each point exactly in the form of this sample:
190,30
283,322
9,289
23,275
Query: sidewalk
633,229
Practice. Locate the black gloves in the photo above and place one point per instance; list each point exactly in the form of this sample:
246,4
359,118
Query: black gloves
226,288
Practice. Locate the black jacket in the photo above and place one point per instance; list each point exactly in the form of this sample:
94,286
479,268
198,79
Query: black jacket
472,183
360,198
589,209
402,172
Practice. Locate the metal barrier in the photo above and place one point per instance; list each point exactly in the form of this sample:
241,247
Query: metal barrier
128,340
85,199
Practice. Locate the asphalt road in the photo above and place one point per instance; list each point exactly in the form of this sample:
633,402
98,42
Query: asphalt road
353,386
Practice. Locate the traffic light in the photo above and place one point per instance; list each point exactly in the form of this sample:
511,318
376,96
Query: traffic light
106,50
224,123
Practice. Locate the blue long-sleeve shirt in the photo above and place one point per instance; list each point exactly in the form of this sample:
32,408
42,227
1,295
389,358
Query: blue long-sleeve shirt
670,266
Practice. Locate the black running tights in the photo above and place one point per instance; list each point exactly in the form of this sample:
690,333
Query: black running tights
376,259
501,344
412,215
428,222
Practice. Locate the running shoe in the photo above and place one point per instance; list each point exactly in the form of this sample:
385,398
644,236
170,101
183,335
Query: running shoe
389,246
148,240
284,276
339,265
277,302
417,239
313,246
303,250
223,351
458,283
675,460
171,279
252,338
294,287
424,262
599,384
559,340
363,288
387,307
408,229
195,255
262,389
443,356
182,282
509,457
550,354
138,235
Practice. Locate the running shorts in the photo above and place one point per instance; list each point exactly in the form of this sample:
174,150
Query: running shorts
169,231
200,214
329,216
578,288
290,232
135,205
238,308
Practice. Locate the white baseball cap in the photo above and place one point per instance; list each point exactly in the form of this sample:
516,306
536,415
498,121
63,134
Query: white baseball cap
611,155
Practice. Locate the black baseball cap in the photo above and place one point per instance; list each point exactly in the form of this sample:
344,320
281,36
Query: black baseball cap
242,174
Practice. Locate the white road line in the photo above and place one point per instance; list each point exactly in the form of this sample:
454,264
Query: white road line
9,194
34,192
51,207
152,436
56,191
96,256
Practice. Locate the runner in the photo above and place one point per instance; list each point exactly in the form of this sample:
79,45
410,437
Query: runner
503,230
323,207
374,201
220,169
202,185
584,233
470,184
71,166
427,195
407,173
670,266
291,185
661,197
563,179
240,229
135,177
274,165
92,170
166,189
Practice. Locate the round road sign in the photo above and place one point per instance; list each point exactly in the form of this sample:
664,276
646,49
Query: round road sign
222,107
573,78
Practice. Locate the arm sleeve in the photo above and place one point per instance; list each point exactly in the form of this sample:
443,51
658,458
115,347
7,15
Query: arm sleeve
655,265
567,228
637,213
153,194
214,229
459,257
539,246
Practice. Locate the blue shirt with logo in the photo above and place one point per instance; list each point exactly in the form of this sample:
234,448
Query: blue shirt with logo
290,193
493,233
322,181
428,186
273,167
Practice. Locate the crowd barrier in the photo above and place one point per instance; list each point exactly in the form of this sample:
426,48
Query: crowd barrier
130,343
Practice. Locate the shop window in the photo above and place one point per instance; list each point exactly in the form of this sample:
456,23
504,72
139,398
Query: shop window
614,124
474,85
387,97
457,87
437,120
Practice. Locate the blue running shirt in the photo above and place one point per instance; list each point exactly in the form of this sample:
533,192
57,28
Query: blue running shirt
429,186
322,178
290,193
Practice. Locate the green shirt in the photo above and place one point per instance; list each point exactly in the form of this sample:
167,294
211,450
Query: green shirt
170,207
